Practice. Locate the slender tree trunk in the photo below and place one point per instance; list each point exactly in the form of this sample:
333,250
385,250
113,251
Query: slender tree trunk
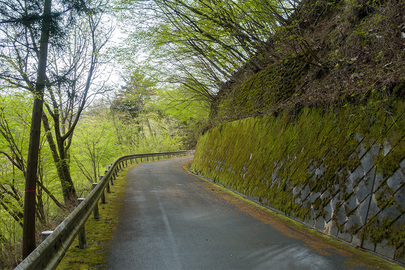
35,136
68,188
62,164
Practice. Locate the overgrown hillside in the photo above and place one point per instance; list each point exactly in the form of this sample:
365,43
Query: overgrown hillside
320,129
332,53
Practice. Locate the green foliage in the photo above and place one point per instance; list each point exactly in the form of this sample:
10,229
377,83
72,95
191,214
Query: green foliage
96,147
14,127
201,44
149,117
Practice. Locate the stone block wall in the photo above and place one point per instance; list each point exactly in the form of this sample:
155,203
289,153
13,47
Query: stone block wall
340,172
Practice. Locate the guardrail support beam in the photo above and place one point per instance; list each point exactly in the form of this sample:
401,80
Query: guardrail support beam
81,234
108,184
96,213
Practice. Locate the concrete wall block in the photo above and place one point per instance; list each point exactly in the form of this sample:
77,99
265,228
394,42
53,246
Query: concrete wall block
353,223
329,211
396,181
312,215
330,228
298,200
386,148
351,203
399,197
312,167
363,190
345,236
362,210
384,249
305,191
313,196
399,222
368,245
354,177
356,241
310,218
340,216
367,162
320,170
390,211
320,224
374,209
295,191
360,150
378,181
325,195
402,164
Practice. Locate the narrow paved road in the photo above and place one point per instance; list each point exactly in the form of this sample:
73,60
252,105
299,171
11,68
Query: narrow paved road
174,220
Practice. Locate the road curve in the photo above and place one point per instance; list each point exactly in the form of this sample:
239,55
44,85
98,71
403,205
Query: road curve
171,220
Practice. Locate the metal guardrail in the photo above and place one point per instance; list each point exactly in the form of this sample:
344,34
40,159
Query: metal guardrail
51,251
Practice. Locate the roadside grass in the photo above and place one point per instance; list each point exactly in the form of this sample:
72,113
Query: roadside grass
98,232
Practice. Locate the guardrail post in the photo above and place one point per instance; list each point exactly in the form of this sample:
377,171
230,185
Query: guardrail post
102,198
81,234
96,214
108,184
112,182
45,235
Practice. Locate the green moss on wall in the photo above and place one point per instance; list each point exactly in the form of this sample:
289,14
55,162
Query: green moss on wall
263,90
299,163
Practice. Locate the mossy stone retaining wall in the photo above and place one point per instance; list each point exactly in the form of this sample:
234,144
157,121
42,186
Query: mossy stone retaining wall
341,172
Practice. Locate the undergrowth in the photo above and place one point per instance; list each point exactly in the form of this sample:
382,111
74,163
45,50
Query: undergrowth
99,232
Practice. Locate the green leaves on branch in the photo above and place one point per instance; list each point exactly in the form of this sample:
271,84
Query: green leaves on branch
202,43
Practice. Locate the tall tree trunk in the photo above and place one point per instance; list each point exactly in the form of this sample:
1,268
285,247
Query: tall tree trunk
68,188
62,164
35,136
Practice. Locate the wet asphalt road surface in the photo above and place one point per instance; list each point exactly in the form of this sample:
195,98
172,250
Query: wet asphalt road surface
171,220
